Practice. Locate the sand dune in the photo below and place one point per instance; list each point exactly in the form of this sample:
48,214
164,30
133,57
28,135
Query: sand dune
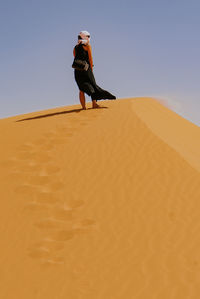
100,204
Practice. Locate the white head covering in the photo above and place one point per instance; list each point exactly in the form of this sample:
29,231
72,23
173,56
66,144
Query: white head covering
83,34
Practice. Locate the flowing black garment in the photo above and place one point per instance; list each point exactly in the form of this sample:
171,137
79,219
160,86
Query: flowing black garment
85,79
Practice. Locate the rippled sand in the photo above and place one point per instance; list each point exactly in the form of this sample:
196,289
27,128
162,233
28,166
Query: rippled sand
100,204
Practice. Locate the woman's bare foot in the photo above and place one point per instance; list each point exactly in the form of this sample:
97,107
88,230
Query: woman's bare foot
94,104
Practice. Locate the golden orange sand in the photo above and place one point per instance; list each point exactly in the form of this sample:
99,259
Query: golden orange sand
100,204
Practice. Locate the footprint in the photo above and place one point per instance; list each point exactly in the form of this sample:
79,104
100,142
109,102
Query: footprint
83,226
29,167
49,245
49,224
55,261
35,156
25,155
75,203
24,147
39,253
61,236
59,141
41,186
33,207
42,157
62,214
25,189
47,197
39,180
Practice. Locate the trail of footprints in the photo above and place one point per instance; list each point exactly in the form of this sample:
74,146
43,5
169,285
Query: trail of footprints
37,179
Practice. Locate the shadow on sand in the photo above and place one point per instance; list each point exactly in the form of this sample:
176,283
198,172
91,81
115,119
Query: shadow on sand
58,113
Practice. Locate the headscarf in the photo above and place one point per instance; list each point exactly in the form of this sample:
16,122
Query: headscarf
83,34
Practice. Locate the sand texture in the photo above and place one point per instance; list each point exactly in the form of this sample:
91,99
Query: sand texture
100,204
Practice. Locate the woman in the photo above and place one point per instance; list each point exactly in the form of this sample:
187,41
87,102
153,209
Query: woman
85,79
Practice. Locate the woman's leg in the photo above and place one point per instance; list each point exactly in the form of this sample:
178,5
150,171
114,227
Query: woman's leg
82,99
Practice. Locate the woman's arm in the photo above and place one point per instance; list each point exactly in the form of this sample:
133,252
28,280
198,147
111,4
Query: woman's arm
89,49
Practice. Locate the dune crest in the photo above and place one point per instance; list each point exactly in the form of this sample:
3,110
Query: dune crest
101,204
176,131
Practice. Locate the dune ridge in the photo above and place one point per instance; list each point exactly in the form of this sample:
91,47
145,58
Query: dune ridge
100,203
183,136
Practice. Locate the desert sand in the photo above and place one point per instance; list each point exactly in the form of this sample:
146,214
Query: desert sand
100,204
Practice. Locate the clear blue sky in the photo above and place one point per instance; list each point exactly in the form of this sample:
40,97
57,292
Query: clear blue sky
140,48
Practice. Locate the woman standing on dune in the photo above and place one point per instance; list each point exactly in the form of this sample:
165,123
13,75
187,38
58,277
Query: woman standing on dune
85,77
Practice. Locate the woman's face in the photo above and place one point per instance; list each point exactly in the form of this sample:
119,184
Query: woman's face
85,37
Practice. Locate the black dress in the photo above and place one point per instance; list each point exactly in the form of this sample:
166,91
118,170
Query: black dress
85,79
